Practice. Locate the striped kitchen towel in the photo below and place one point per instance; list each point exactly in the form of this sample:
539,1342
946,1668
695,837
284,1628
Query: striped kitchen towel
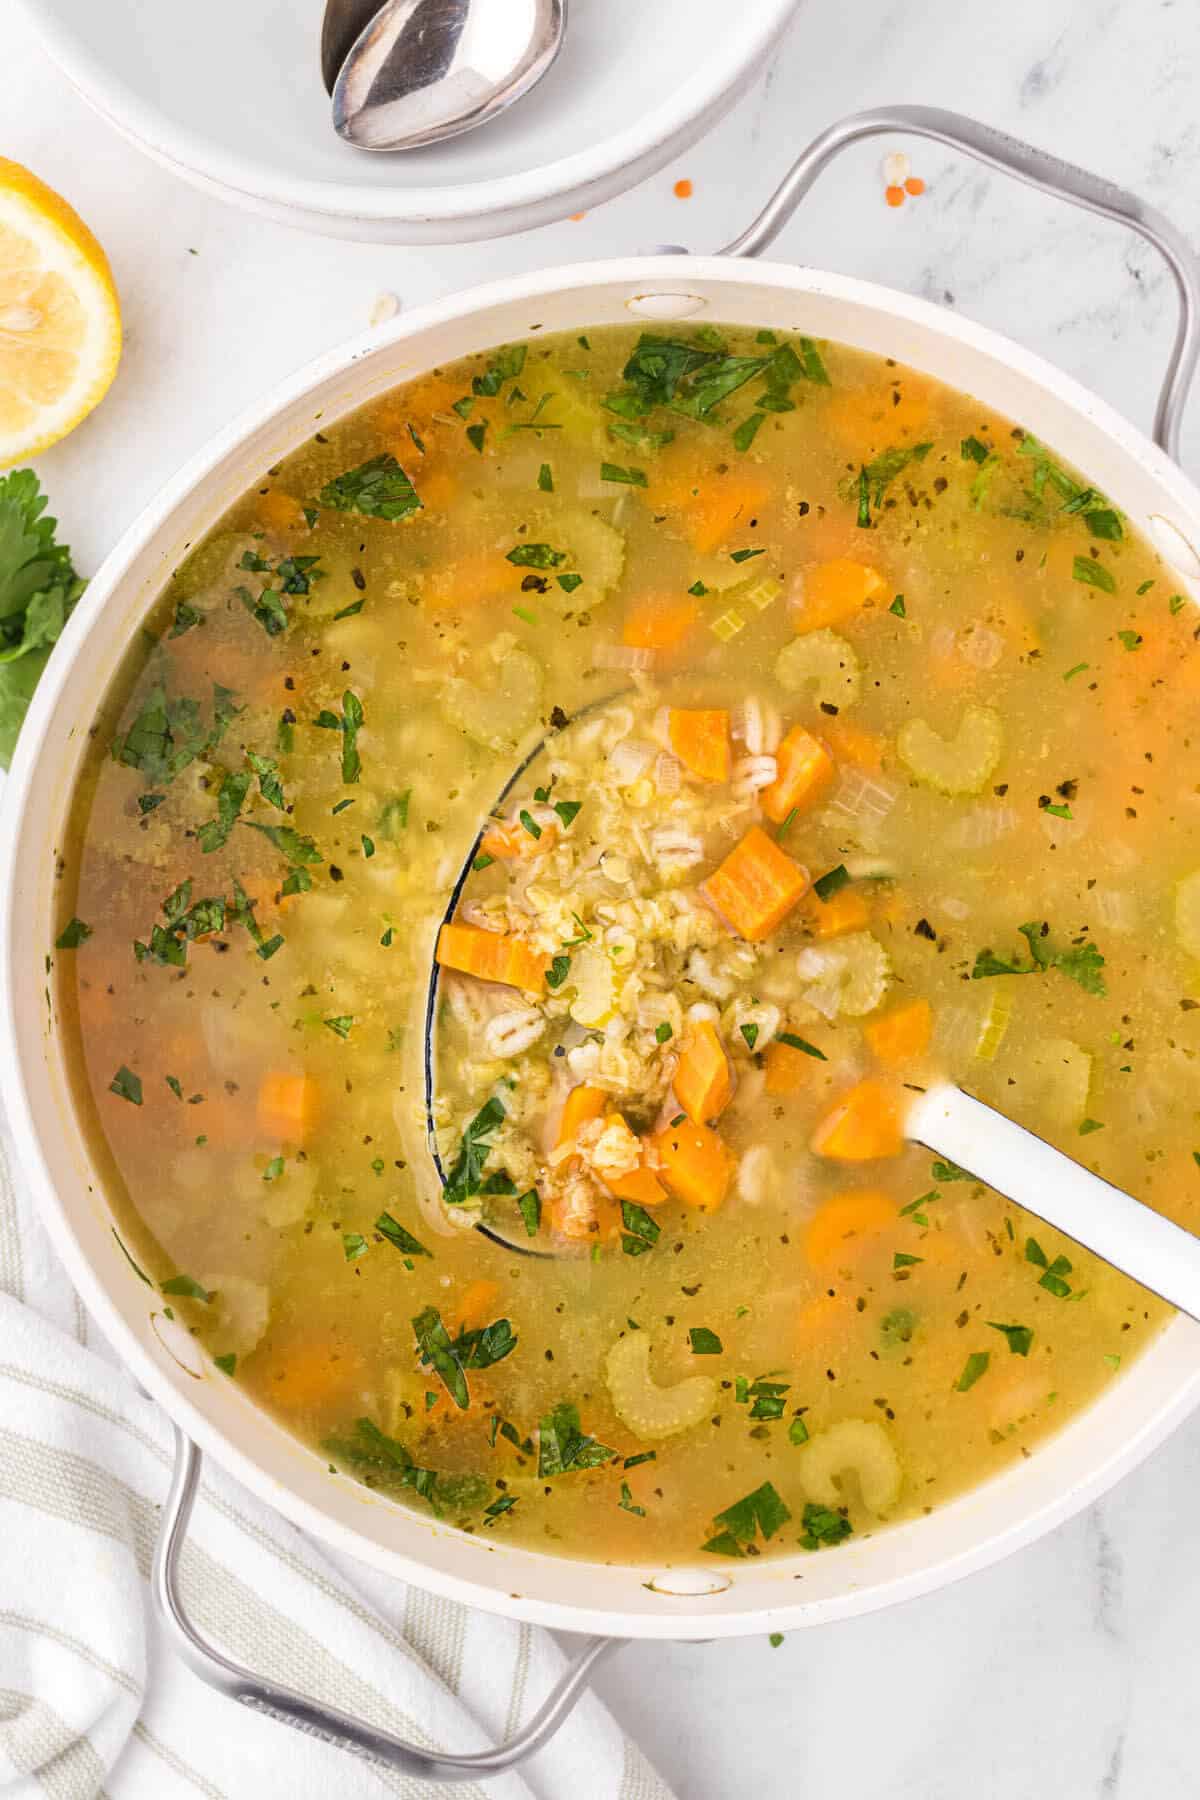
93,1702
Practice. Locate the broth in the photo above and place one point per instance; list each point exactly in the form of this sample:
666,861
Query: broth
866,763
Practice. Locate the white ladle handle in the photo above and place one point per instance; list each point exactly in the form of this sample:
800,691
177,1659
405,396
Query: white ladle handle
1022,1166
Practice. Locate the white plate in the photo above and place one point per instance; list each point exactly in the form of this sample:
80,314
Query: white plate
229,95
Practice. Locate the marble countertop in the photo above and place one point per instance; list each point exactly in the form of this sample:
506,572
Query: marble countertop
1067,1670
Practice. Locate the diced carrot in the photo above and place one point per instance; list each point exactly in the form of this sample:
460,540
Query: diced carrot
278,511
436,487
847,910
840,1228
582,1105
492,956
476,1305
835,591
703,1079
886,414
659,622
850,743
505,839
311,1373
902,1034
700,739
788,1069
288,1107
711,507
865,1124
694,1164
803,767
914,185
757,886
585,1215
472,581
640,1184
894,196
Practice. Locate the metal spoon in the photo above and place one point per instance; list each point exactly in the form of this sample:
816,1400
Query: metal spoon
423,70
344,21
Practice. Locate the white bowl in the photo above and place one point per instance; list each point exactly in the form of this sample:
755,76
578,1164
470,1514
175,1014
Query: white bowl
230,97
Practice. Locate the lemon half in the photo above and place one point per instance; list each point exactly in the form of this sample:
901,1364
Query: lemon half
60,320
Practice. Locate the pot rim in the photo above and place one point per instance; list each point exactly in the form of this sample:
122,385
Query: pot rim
685,1616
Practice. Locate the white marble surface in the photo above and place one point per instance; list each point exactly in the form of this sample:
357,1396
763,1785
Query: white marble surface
1071,1670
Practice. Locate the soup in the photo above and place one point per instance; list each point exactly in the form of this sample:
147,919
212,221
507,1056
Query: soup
840,735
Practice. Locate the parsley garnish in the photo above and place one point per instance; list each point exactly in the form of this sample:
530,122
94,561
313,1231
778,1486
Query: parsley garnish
630,477
1094,574
832,883
465,1177
341,1025
975,1366
563,1446
558,971
74,933
1082,963
704,1342
404,1241
184,1287
378,488
641,1232
349,723
759,1512
126,1085
823,1527
798,1043
535,556
1019,1337
1052,1272
750,1033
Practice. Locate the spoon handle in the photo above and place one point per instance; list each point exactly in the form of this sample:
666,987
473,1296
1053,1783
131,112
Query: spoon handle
1127,1234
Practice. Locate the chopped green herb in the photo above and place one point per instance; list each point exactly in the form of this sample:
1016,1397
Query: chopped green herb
744,435
529,1205
799,1043
562,1445
1132,640
227,1363
126,1085
437,1353
630,477
832,883
750,1033
74,933
641,1232
184,1287
741,556
378,488
1019,1337
761,1511
545,479
975,1366
798,1431
662,1032
704,1342
274,1169
1077,670
354,1245
626,1502
535,556
1094,574
823,1527
558,971
393,819
973,451
464,1178
1081,963
341,1025
1090,1125
898,607
1175,604
403,1240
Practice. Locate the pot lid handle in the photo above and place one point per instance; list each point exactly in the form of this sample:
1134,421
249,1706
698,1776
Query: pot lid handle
327,1722
1036,168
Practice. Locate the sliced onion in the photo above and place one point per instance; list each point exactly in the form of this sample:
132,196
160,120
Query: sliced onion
629,760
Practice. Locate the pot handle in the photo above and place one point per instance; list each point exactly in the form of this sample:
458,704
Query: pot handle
1037,169
243,1685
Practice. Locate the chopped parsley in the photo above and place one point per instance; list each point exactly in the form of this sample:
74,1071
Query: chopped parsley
641,1232
1053,1273
403,1240
126,1085
1018,1337
615,472
832,883
349,723
186,1288
760,1512
466,1175
74,933
704,1342
563,1446
975,1366
798,1043
823,1527
377,488
1094,574
1082,963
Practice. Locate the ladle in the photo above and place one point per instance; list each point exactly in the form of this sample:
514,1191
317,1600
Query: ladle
984,1143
